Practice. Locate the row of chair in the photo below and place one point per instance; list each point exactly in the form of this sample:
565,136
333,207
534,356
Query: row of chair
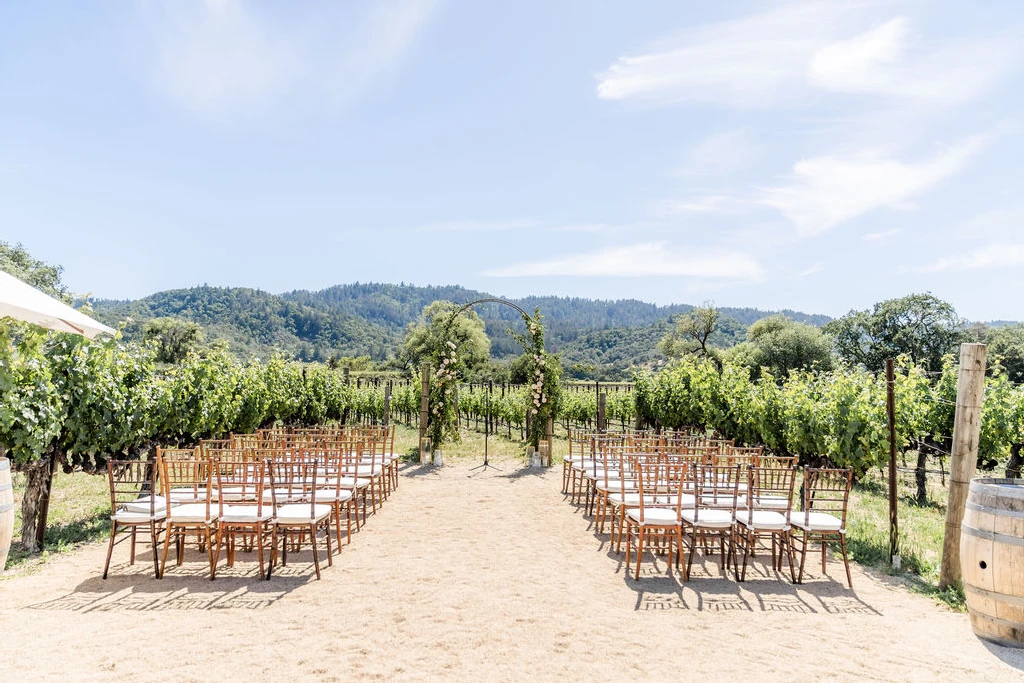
253,489
678,499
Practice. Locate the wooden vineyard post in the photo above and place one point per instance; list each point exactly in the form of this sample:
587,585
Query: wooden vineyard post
387,404
602,419
424,416
894,527
970,392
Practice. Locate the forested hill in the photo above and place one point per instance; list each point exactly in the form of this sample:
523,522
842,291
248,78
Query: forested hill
370,319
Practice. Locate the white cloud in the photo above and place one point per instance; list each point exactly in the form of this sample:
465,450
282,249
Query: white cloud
991,256
715,203
477,226
720,154
876,62
811,270
221,57
882,237
753,61
827,191
782,55
641,260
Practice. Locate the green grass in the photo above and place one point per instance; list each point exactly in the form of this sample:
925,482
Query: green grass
471,446
921,530
79,513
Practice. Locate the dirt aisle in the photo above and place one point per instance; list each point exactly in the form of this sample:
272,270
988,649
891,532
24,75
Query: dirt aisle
475,575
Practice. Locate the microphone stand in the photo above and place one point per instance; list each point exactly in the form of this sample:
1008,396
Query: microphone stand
487,432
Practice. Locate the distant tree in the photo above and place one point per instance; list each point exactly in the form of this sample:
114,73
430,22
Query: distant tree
18,262
357,364
692,334
922,326
1005,344
172,338
436,324
781,344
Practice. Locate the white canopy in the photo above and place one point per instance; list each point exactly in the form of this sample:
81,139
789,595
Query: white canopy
24,302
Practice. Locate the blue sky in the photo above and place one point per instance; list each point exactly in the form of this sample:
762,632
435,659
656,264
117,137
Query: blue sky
814,156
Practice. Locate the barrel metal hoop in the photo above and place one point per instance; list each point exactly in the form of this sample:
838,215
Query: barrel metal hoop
995,620
992,536
1004,488
998,512
1015,600
6,507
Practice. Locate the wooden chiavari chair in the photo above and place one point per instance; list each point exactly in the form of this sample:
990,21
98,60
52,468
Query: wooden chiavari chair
134,505
715,491
826,495
242,485
186,480
766,514
302,515
659,522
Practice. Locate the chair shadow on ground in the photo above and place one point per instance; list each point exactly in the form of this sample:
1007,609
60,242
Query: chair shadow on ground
524,470
133,588
416,469
708,590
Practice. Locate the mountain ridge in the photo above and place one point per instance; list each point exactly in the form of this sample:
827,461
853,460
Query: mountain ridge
370,319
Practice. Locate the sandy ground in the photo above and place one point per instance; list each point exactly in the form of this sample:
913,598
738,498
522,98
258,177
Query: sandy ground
486,575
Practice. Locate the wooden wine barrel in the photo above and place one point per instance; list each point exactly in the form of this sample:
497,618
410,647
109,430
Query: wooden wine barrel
6,511
992,558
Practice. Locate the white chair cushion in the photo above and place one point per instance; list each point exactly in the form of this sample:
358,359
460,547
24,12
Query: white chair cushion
688,500
816,521
629,499
708,519
245,514
282,496
184,495
350,482
128,517
614,485
654,516
332,495
768,520
299,513
600,474
141,505
194,513
235,493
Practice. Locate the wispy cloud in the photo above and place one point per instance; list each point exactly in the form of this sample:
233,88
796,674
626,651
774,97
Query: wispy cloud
877,62
991,256
882,237
721,153
478,226
753,61
780,56
714,203
641,260
225,57
827,191
811,270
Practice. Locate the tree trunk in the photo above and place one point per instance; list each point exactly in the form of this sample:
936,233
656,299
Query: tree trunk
922,477
1013,465
37,475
